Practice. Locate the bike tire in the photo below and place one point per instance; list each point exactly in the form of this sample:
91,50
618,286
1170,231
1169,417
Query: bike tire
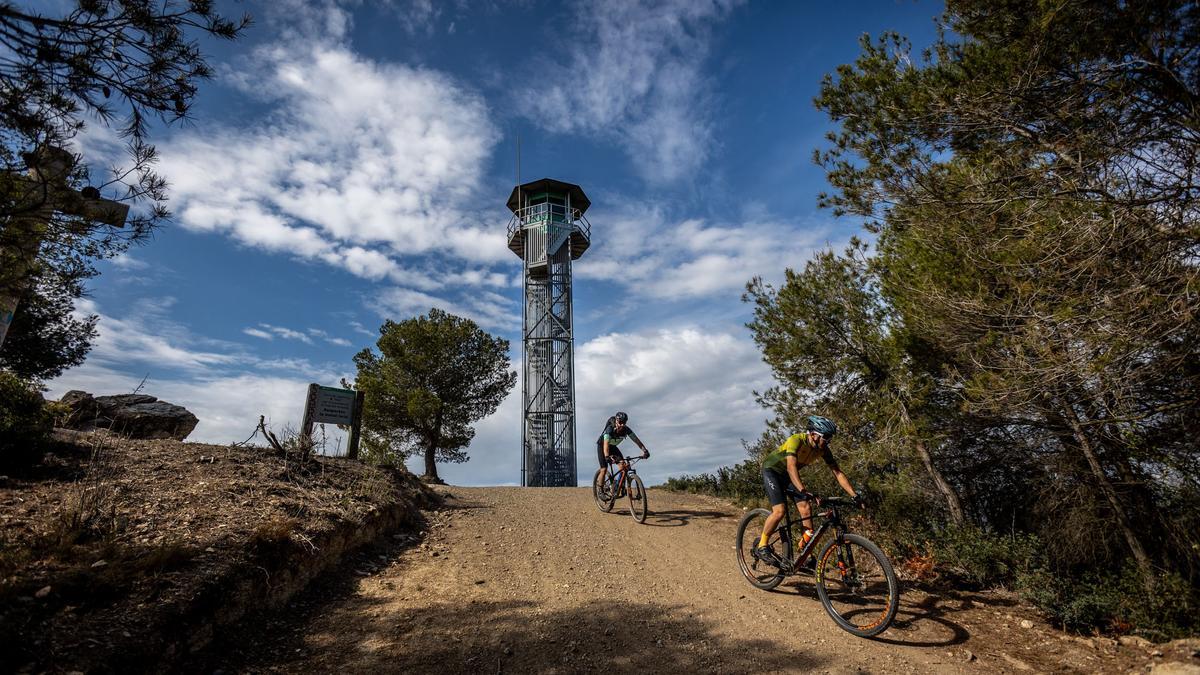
638,506
857,585
760,573
602,491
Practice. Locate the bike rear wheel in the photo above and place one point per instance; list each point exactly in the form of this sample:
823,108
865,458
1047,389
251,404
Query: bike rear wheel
637,498
760,573
602,491
856,584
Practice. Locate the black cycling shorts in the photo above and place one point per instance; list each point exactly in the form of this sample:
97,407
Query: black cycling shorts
613,452
777,485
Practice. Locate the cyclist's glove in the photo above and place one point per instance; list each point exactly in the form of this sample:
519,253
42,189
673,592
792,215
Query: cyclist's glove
645,453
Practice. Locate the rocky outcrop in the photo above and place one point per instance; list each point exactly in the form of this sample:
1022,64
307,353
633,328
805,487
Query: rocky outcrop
131,415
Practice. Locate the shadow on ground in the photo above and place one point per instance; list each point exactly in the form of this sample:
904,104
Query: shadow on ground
510,636
681,517
921,623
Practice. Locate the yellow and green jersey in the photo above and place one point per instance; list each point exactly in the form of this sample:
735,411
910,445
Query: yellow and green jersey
799,446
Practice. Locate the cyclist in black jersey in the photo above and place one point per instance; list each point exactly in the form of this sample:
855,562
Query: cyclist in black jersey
616,430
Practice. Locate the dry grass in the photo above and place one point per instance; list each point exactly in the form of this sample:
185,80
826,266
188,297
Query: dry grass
117,530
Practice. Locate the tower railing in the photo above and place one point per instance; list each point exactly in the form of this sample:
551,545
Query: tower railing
537,214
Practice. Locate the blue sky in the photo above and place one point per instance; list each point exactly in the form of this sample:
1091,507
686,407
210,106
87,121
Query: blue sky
350,163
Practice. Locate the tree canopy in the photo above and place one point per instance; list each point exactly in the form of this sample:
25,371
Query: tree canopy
46,337
123,63
1025,321
434,376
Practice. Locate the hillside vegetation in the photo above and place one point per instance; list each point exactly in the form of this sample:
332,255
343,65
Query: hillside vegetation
119,554
1014,353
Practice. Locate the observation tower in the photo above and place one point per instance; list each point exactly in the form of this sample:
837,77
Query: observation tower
547,232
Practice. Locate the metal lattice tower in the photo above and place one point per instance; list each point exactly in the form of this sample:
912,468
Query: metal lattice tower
548,231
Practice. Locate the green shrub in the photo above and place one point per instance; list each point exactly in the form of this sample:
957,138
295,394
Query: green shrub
1115,601
740,483
984,558
25,423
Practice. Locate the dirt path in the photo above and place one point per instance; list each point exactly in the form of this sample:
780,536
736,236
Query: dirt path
538,580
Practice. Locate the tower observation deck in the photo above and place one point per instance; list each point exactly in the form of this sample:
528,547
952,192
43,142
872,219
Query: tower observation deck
547,232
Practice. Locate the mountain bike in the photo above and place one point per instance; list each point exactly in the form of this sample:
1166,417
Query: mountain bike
855,581
619,480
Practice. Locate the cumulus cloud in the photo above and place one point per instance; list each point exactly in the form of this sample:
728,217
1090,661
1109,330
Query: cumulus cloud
487,308
634,76
663,258
222,382
367,166
688,391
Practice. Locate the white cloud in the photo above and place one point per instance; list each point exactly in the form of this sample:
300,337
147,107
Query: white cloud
688,391
360,164
224,385
285,333
634,76
254,332
361,330
658,257
127,263
487,308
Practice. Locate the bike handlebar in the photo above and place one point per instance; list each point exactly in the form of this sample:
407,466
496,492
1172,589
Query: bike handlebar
830,501
632,460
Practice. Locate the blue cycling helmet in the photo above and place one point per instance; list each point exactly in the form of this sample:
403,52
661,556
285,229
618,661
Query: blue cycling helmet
821,425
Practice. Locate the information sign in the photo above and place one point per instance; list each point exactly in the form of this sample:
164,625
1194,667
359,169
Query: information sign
334,405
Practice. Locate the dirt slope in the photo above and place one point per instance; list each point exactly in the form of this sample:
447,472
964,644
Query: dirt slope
538,580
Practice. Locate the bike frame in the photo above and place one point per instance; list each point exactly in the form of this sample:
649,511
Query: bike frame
830,519
624,473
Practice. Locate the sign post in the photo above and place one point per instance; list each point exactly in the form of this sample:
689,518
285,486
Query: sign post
334,405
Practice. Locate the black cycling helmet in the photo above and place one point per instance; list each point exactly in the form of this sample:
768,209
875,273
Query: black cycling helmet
621,417
821,425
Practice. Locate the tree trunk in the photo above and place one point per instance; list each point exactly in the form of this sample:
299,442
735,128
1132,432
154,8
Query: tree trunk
953,503
432,442
1110,494
430,465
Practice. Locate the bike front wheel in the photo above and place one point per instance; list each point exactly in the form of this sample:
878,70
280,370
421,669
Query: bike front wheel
637,498
602,491
856,584
760,573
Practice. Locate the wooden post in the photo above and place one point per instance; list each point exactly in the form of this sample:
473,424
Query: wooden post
356,424
309,410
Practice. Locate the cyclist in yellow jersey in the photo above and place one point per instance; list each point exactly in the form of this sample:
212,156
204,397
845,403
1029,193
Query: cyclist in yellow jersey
781,477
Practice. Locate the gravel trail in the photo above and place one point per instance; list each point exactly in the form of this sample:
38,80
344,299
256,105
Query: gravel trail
539,580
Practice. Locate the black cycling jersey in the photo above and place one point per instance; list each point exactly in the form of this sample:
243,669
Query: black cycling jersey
614,436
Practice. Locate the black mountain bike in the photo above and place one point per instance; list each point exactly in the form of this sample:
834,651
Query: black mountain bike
616,481
854,578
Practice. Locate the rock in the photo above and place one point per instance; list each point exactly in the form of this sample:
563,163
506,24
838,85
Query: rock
84,409
1135,641
131,415
45,591
1174,668
968,656
1015,662
99,563
1026,623
1186,646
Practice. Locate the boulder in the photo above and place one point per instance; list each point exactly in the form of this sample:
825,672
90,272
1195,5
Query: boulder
130,415
84,410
